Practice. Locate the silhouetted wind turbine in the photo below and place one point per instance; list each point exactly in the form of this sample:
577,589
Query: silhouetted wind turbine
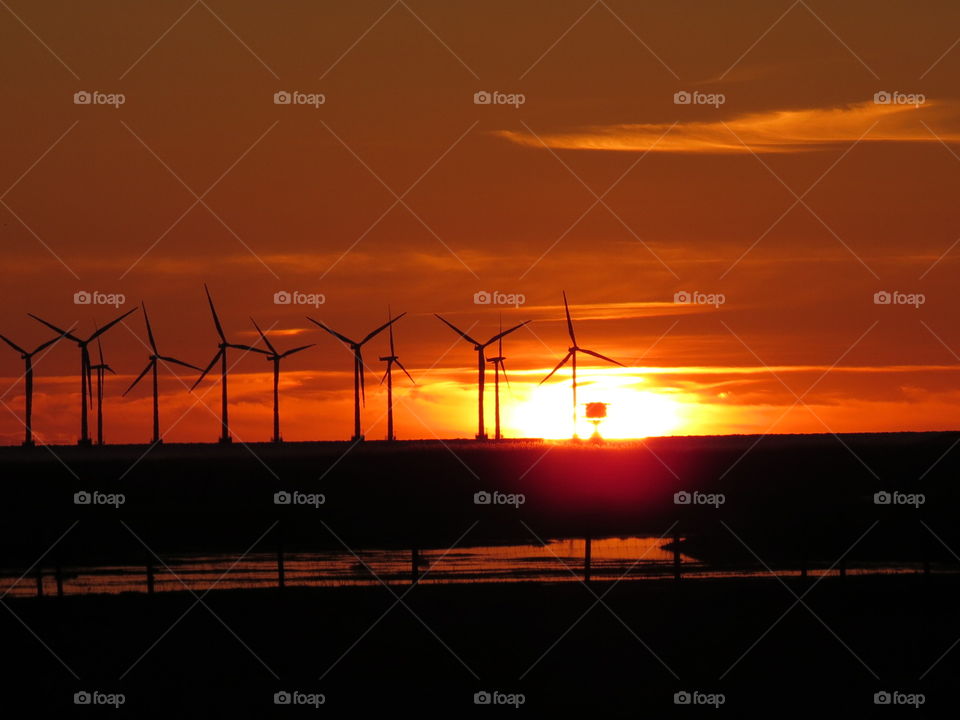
275,357
27,358
101,368
85,379
498,368
481,366
221,355
155,357
572,355
392,360
358,381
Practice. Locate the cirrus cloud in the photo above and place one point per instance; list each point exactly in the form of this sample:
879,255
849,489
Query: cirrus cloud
778,131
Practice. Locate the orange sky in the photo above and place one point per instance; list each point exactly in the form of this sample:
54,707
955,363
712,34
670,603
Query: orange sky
798,198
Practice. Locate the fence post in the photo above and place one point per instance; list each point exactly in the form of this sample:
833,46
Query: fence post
677,560
39,581
58,574
149,577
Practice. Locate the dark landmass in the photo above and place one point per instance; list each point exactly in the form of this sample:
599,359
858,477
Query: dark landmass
786,497
851,638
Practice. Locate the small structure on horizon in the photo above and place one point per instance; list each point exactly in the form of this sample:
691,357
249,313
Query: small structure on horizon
596,413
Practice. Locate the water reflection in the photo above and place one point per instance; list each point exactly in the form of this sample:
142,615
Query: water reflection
557,561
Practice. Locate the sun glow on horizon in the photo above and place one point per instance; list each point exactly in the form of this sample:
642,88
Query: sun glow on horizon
632,410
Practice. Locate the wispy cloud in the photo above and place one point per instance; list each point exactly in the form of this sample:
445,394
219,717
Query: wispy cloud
779,131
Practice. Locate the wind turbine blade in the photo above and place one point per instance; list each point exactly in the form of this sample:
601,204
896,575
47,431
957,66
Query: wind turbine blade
503,370
139,377
63,333
559,365
296,350
112,371
385,374
16,347
208,368
146,318
602,357
44,346
457,330
382,328
265,340
179,362
100,350
566,308
400,365
342,338
110,324
213,311
506,332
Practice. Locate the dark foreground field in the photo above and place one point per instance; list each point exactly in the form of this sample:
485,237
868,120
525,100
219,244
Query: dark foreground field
554,644
788,498
788,502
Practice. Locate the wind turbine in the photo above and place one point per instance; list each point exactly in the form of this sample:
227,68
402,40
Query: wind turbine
101,368
358,381
392,360
572,355
155,357
221,355
28,383
498,368
276,357
481,367
85,380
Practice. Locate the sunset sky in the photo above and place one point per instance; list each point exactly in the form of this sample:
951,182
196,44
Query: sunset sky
789,191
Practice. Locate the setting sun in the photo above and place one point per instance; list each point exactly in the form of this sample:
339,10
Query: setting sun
633,410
